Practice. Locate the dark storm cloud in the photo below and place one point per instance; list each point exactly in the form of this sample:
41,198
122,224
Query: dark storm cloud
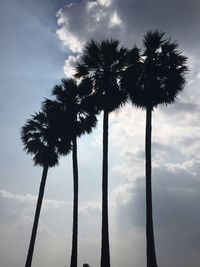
180,19
182,107
176,198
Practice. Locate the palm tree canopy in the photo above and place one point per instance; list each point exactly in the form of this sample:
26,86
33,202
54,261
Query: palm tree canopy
40,139
104,63
70,109
157,75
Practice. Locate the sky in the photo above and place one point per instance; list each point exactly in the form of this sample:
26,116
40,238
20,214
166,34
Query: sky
40,41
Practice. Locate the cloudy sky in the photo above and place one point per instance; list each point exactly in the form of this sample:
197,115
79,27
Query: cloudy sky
40,40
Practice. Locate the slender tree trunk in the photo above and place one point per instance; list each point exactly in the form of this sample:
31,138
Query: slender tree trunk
151,253
74,253
36,218
105,251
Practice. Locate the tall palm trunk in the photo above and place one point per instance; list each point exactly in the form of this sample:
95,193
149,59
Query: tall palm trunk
105,253
74,252
151,254
36,218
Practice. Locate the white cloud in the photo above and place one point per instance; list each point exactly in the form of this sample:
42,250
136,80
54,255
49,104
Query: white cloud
20,198
198,75
31,199
115,20
69,66
79,22
48,204
70,40
104,2
82,21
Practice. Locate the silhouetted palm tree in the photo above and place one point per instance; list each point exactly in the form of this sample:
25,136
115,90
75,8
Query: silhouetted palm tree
39,139
103,63
74,118
154,78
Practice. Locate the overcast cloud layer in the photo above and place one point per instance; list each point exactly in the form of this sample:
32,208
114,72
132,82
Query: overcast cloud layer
175,149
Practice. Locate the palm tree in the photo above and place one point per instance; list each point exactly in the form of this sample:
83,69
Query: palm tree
39,139
74,118
103,63
154,78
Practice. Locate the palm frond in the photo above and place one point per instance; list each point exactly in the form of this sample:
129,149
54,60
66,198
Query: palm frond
90,57
103,63
40,138
152,41
80,70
